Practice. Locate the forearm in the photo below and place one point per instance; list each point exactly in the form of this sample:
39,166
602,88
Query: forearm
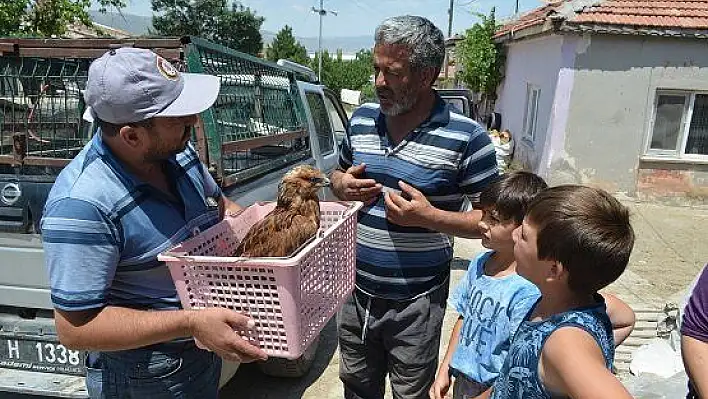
451,345
459,224
695,358
117,328
619,334
621,316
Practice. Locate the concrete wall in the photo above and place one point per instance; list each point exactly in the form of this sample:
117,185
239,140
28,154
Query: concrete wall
676,183
616,78
538,62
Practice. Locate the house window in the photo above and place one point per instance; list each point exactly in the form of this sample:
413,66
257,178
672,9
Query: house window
680,126
531,115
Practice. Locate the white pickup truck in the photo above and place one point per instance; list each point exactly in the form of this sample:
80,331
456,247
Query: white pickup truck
267,118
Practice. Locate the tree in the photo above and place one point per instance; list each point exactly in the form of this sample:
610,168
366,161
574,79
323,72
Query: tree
46,18
11,13
338,74
286,47
481,57
221,21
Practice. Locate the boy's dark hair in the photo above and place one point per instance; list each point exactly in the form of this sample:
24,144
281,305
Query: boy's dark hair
511,194
585,229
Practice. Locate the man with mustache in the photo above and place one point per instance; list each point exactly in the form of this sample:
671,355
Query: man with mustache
412,162
136,189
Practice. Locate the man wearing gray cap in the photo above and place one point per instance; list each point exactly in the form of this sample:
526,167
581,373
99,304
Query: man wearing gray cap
136,189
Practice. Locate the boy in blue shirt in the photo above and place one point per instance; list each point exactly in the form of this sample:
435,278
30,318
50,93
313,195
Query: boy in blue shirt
573,242
492,299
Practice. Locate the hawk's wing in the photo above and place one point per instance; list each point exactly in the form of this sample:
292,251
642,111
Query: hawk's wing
277,235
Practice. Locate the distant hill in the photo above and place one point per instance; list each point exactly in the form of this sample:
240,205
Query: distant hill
139,25
135,24
348,44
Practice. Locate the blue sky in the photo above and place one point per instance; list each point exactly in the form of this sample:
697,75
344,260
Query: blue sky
360,17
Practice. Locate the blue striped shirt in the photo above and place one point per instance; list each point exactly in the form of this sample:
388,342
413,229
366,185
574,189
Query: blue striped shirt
447,158
103,228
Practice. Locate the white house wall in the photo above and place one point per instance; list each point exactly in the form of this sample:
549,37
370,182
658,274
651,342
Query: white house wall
538,62
615,82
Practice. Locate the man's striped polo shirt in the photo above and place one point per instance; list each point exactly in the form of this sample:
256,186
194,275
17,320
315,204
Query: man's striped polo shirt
447,158
102,229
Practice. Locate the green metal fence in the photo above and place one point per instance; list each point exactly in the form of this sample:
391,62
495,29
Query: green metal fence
40,109
257,123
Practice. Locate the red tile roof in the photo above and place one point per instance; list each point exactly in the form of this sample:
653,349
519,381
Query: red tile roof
686,14
691,14
531,18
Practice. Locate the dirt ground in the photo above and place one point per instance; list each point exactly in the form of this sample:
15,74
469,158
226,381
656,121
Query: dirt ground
671,247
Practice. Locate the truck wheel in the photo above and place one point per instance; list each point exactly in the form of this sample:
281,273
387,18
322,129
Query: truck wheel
291,368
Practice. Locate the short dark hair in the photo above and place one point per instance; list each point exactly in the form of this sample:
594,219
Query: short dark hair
111,129
511,194
585,229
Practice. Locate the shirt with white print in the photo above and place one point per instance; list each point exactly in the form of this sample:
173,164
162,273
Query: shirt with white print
491,309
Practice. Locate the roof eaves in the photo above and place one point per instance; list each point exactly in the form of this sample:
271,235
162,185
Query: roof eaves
550,17
542,26
629,30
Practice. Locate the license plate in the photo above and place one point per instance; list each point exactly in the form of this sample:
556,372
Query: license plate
42,356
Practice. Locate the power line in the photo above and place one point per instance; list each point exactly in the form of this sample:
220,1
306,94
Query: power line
468,8
361,6
465,4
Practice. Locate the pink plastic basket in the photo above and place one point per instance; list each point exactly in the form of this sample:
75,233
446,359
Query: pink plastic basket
290,299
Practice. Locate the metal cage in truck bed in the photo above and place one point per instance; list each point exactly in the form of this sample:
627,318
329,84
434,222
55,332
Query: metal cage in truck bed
256,125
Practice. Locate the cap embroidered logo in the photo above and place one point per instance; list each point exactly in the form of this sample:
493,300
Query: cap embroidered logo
166,69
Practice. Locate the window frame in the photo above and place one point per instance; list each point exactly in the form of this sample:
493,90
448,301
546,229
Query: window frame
331,98
328,136
679,152
526,134
463,100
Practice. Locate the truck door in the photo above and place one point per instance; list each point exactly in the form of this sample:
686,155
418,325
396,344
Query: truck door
322,138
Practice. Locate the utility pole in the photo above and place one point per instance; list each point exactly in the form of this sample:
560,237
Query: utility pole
322,12
516,9
449,21
449,35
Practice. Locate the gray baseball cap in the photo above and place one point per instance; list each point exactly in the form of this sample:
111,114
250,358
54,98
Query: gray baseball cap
129,85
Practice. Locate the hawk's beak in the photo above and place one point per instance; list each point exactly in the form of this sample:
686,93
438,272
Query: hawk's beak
321,182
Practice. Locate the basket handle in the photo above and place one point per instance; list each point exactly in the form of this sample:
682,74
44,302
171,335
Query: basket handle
230,214
189,258
242,210
352,206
